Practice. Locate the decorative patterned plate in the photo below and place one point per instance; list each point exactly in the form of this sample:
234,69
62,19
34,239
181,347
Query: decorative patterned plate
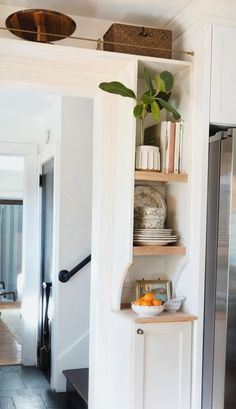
147,196
153,243
154,230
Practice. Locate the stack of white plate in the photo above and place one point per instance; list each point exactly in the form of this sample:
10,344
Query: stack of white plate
154,237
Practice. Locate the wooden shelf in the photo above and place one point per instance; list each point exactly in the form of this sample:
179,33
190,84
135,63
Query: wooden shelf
154,176
161,318
159,250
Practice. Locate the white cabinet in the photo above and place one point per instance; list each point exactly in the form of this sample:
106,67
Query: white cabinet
223,82
162,365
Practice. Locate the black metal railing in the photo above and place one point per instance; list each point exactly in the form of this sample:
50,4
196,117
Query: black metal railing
2,285
66,275
5,293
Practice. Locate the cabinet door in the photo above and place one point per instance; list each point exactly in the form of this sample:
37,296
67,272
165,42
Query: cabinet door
162,366
223,81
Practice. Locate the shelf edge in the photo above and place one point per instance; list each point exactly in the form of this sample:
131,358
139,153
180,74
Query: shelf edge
154,176
158,250
164,317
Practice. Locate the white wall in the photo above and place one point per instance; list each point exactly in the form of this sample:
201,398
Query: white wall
22,113
70,342
11,177
51,129
17,127
67,130
191,282
11,184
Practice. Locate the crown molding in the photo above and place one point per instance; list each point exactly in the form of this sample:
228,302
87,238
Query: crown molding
187,18
196,13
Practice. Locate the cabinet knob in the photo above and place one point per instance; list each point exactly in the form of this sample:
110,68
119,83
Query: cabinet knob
140,331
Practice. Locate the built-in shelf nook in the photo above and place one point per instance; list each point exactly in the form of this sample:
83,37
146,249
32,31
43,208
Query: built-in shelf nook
164,261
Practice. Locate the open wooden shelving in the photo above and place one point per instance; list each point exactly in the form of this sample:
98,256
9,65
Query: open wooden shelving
159,250
154,176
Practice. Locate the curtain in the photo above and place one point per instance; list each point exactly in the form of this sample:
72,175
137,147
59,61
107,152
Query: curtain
10,245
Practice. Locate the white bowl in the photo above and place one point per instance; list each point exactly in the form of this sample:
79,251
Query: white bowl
172,306
145,311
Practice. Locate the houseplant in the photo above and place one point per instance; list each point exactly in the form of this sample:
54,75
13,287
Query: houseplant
152,101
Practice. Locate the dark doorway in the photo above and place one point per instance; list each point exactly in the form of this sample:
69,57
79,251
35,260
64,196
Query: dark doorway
47,183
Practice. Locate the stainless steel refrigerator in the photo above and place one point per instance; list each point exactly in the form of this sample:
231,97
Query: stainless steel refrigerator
219,345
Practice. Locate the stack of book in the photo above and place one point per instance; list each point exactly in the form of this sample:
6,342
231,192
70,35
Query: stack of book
171,146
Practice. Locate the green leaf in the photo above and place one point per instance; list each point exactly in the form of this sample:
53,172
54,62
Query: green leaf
156,111
164,95
149,81
118,88
168,80
146,99
169,108
138,109
160,85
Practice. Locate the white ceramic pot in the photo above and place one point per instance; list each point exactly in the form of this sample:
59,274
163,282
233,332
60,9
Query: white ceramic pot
147,157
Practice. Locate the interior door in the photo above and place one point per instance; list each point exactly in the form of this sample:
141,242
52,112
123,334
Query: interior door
47,183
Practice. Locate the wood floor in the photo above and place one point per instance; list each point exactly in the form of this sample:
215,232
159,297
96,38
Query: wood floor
10,349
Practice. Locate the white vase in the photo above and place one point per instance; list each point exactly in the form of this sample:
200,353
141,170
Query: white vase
147,158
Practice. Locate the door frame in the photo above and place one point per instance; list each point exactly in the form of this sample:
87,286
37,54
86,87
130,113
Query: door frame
30,253
40,319
78,72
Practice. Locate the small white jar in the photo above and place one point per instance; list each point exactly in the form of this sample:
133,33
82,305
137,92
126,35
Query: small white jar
147,158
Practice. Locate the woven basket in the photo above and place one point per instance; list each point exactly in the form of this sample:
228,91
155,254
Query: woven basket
138,39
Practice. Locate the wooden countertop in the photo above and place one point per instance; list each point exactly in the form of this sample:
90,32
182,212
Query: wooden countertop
161,318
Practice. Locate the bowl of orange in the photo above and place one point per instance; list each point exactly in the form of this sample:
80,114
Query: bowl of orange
147,306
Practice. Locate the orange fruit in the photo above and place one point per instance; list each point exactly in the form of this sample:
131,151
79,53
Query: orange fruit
148,297
146,303
137,302
157,303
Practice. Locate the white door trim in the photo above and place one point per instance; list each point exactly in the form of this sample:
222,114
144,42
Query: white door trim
74,71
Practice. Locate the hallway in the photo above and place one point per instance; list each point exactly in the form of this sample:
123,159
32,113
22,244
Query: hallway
26,388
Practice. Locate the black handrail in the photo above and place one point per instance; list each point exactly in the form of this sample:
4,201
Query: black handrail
4,293
66,275
2,285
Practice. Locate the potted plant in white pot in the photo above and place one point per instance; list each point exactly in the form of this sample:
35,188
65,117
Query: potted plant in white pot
151,102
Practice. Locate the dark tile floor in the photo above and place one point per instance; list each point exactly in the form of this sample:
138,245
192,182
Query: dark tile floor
26,388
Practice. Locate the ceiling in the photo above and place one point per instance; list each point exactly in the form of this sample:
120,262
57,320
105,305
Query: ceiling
21,102
143,12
